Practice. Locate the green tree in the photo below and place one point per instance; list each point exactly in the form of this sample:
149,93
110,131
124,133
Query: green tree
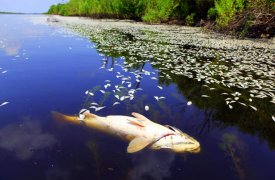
226,10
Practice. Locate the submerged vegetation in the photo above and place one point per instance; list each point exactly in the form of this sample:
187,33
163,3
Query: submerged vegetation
244,17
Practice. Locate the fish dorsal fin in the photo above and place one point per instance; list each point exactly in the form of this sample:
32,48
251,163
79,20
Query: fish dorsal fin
138,144
140,117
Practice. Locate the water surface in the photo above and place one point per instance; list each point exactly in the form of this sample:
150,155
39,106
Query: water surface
223,100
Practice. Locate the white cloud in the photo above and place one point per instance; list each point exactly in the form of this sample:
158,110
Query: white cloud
23,140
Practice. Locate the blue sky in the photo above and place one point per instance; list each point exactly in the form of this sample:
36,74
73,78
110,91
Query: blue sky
27,6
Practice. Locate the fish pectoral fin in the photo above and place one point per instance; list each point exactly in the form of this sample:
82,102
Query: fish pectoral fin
138,144
140,117
136,123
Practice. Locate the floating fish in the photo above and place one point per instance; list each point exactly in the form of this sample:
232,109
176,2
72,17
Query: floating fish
99,108
107,85
102,91
116,103
189,103
91,94
140,131
94,103
254,108
4,103
159,98
93,107
146,108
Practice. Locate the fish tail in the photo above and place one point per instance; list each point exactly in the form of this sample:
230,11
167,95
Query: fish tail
65,118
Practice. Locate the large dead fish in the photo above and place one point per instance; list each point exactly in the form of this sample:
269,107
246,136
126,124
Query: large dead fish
140,131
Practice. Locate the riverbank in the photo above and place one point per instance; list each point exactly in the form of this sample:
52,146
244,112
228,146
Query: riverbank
241,18
194,35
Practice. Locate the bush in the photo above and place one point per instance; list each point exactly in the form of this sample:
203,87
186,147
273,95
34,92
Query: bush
83,8
202,7
226,10
190,19
211,14
159,10
62,11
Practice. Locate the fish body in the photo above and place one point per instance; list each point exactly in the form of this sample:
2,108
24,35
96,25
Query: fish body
140,131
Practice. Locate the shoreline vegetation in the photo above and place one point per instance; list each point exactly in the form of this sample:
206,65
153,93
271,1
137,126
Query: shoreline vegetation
11,13
241,18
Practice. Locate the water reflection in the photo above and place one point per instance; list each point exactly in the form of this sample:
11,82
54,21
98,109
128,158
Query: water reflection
94,150
57,174
11,48
234,148
14,35
26,139
152,60
152,165
224,105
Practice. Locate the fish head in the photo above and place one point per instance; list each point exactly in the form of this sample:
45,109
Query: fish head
177,141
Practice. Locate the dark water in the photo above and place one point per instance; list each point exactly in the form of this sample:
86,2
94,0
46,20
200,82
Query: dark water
46,67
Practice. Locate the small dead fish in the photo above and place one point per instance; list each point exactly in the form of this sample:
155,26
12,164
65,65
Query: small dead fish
116,103
94,103
99,108
159,98
189,103
4,103
254,108
160,87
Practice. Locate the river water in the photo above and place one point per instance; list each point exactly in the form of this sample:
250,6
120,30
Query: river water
221,95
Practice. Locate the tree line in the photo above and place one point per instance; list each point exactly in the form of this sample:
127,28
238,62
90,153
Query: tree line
253,17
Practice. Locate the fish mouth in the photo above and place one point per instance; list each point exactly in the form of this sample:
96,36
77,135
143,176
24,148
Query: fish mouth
196,150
